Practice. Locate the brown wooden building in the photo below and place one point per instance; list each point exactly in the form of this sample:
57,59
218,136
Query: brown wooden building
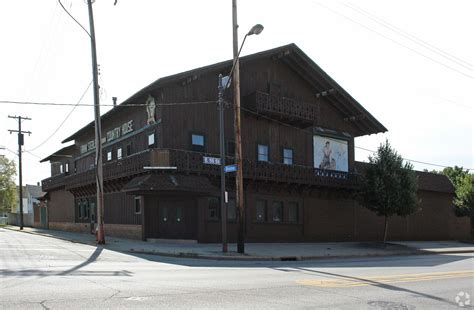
298,128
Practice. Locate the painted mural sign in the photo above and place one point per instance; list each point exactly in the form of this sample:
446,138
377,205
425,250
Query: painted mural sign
330,153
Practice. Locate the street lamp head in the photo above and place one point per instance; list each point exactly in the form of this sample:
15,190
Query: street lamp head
257,29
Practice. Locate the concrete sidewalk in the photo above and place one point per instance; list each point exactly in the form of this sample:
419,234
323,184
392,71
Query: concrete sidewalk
262,251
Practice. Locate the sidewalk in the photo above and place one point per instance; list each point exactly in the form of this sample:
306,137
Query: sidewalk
262,251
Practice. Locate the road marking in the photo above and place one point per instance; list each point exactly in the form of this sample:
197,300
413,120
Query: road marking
380,280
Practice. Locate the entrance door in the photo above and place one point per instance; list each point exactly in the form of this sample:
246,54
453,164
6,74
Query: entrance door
43,223
177,219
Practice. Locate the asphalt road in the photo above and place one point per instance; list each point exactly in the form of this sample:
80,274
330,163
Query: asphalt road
45,273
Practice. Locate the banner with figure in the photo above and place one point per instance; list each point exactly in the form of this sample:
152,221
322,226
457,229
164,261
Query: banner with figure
330,153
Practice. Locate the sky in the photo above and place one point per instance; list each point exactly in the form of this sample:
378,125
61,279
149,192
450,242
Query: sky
409,63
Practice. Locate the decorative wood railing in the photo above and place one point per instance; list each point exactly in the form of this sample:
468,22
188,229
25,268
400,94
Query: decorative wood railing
192,162
285,109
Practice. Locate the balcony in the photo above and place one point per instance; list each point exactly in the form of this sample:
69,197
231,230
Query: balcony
192,162
284,109
53,182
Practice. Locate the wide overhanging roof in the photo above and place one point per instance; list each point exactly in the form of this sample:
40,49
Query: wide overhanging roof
62,153
296,59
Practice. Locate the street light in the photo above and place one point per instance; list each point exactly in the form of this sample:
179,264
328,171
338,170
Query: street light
235,74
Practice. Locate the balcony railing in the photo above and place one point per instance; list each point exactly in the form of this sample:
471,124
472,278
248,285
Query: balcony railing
284,109
192,162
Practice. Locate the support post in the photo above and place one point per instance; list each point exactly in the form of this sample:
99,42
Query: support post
98,133
222,151
20,170
239,195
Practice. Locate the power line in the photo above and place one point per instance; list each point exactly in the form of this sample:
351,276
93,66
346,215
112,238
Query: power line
411,37
357,147
62,123
74,18
105,105
392,40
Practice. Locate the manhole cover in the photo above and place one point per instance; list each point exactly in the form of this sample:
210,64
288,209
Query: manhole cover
390,305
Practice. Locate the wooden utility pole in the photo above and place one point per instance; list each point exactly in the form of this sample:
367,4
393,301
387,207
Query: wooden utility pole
20,174
239,183
98,134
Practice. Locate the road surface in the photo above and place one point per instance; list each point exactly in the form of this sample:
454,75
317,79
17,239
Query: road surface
39,272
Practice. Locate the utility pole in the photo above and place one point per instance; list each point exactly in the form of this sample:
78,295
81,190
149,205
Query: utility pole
221,84
239,183
98,134
20,175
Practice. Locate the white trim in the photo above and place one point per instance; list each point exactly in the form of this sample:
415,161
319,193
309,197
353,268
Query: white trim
160,168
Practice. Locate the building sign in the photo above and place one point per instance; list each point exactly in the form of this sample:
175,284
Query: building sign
211,160
110,136
330,153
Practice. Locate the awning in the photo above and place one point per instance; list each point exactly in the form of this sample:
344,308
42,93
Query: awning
170,182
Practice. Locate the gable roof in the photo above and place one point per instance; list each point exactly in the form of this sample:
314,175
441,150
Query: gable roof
296,59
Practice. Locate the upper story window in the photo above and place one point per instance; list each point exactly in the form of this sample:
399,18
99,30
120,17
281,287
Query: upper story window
262,152
128,150
66,167
109,155
287,156
197,142
151,139
61,168
119,153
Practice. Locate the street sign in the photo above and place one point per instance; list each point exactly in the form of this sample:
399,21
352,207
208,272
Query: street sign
230,168
211,160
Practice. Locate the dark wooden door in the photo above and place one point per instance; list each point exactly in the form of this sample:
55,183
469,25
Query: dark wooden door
177,219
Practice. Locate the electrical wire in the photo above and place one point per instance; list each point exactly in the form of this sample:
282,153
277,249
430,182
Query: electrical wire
65,119
104,105
74,19
411,37
392,40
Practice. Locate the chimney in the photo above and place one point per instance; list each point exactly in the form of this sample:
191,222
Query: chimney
114,99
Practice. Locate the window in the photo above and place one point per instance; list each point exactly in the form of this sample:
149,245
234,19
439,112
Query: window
179,216
151,139
109,155
164,214
119,153
261,208
86,209
262,152
293,212
138,205
61,168
129,150
231,210
277,211
213,208
197,142
288,156
230,151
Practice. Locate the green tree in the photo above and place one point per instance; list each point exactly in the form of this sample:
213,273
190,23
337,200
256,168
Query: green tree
455,174
464,200
390,186
7,184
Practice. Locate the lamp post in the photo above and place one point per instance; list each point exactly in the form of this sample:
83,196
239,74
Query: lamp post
223,83
239,181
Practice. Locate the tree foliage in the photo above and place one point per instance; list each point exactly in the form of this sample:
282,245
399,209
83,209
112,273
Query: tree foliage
464,201
390,186
455,174
7,184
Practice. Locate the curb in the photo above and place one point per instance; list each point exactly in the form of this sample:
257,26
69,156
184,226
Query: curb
248,257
